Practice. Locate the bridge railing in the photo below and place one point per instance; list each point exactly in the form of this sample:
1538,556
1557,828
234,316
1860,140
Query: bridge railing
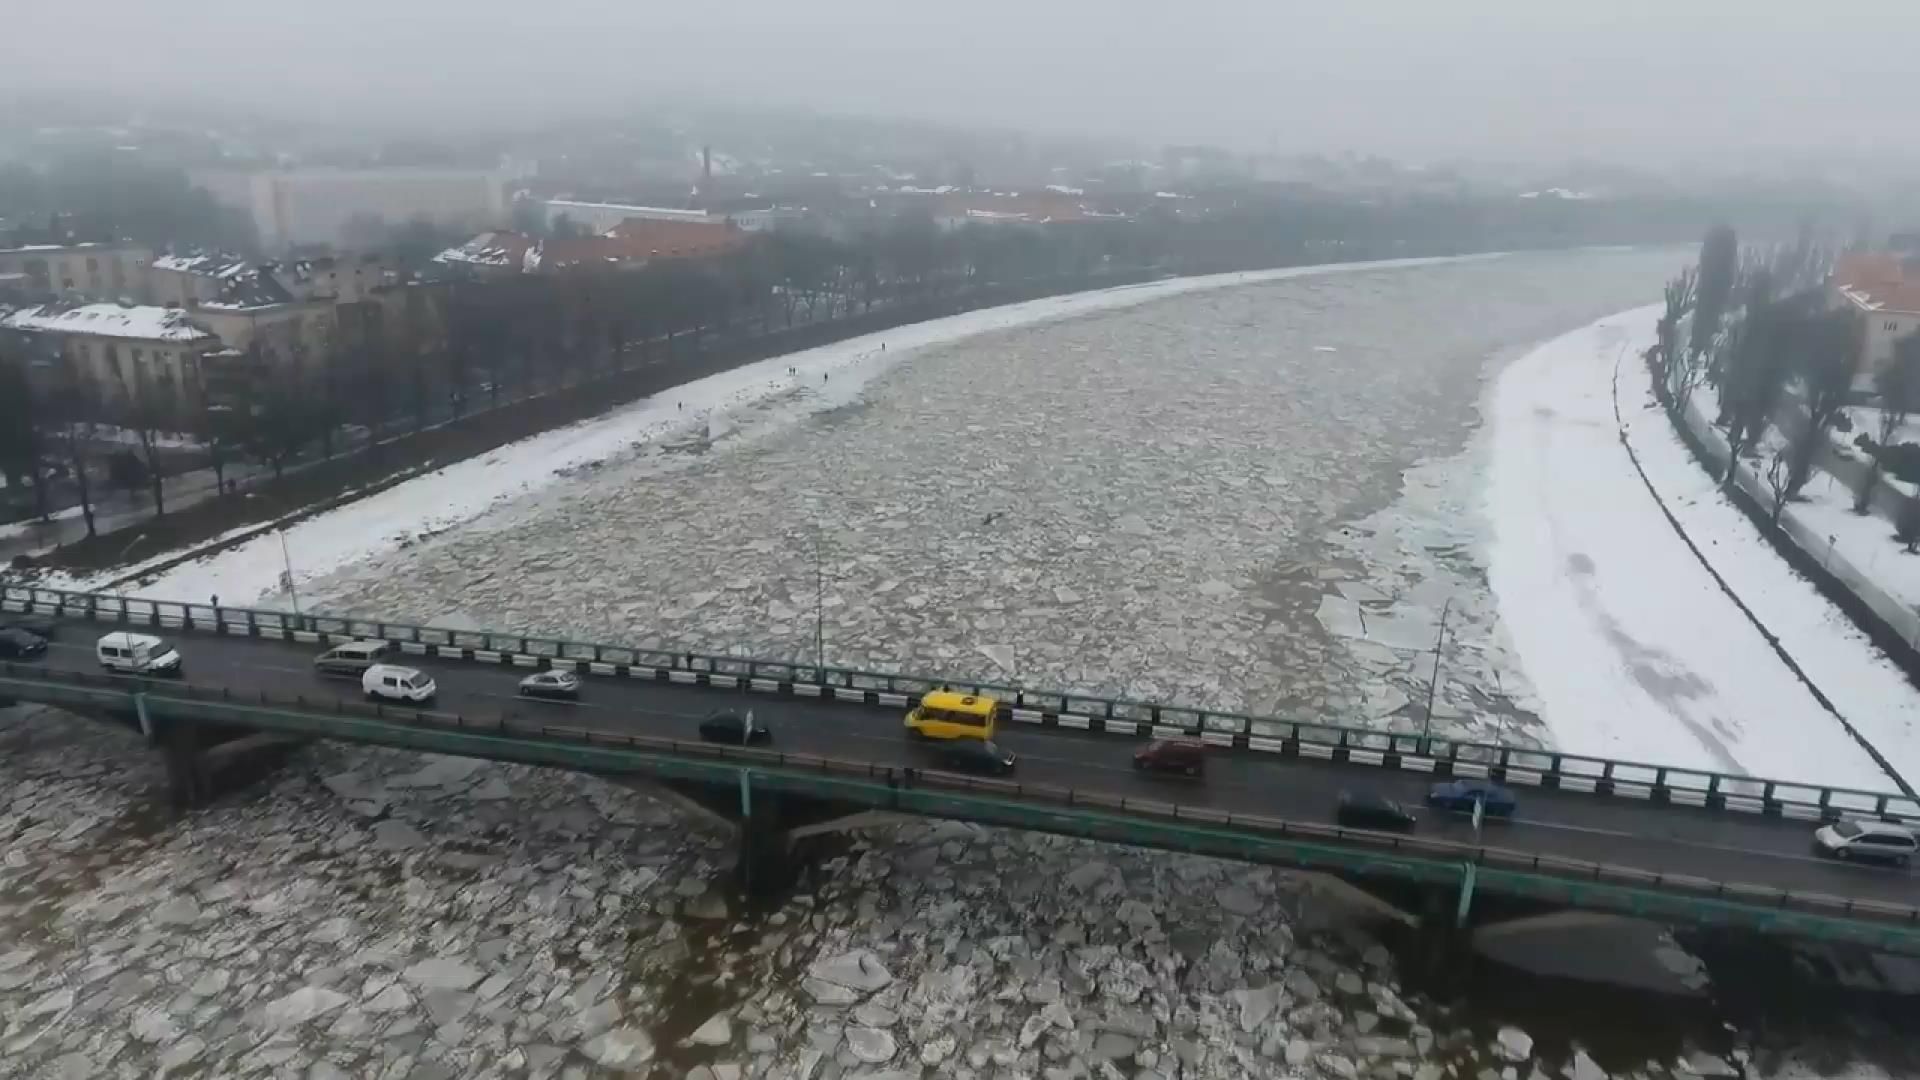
1405,856
1313,739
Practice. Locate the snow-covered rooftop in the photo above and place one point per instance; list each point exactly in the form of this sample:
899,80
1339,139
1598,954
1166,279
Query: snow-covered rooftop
661,212
142,322
207,263
488,249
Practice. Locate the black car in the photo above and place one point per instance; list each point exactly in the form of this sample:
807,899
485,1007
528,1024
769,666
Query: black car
1366,810
975,756
16,644
727,726
42,626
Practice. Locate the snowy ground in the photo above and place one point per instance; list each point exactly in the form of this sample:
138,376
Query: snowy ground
1635,651
1872,693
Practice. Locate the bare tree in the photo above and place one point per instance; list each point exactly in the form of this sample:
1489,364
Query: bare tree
1907,529
1779,477
24,432
1755,373
75,406
1667,351
1897,386
1829,345
1719,261
148,406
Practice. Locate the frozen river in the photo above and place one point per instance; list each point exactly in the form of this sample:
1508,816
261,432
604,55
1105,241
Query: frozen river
1205,499
1255,497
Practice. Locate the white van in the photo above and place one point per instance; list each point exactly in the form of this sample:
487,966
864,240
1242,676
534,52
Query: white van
351,660
396,683
136,654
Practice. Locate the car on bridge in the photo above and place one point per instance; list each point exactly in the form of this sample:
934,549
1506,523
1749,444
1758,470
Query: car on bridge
396,683
38,625
136,654
728,726
1371,810
976,756
1459,796
352,659
18,644
944,714
1866,840
1183,757
551,685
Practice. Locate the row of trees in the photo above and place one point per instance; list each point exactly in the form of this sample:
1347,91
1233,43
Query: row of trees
1784,361
440,351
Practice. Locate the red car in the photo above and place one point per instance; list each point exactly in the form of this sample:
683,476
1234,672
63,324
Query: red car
1187,757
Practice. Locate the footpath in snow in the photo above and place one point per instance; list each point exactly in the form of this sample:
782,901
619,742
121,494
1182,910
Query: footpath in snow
779,389
1634,650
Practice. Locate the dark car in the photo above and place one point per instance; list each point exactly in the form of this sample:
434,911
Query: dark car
553,685
1186,757
1367,810
42,626
727,726
18,644
1460,795
976,756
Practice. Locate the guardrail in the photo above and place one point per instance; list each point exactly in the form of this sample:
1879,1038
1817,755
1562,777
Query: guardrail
1118,716
1042,807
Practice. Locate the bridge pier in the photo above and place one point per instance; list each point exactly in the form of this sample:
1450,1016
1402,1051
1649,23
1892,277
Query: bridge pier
188,783
1442,941
771,830
206,761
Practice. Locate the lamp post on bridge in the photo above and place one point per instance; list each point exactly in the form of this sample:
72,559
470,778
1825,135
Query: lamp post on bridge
819,608
1433,684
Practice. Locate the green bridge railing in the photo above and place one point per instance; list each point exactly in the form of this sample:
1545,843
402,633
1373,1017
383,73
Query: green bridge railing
1040,807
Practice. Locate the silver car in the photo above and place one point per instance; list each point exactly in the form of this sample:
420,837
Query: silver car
553,685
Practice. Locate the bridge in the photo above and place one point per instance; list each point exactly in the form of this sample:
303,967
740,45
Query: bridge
1676,845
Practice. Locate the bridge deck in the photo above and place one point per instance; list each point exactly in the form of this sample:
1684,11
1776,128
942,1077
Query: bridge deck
1732,847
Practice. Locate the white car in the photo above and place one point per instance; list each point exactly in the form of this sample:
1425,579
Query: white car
136,654
396,683
1866,839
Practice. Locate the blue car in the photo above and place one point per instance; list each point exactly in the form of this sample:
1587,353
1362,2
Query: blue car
1460,795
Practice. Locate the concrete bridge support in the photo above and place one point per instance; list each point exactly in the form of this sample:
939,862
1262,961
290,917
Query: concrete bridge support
769,828
206,761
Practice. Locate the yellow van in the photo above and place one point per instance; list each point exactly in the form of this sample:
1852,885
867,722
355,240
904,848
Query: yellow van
943,714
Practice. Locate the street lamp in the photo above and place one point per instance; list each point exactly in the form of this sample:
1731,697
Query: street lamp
1433,684
286,560
819,609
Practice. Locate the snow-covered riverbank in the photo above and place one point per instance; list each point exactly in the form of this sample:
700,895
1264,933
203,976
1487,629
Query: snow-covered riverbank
1635,651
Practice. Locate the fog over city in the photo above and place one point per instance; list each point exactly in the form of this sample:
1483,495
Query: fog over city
1406,78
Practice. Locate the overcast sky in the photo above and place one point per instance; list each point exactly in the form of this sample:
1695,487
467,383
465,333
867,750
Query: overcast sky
1626,80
